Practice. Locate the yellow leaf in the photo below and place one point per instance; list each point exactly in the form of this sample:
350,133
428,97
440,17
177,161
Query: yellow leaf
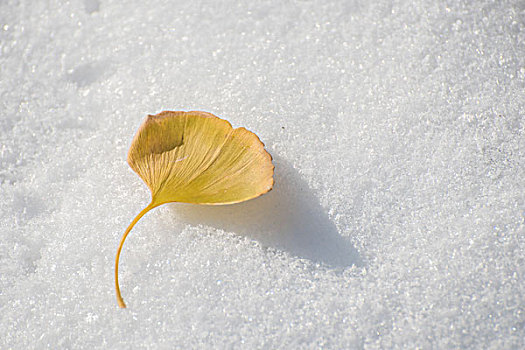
196,157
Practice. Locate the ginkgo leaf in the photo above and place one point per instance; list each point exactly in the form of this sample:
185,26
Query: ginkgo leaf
196,157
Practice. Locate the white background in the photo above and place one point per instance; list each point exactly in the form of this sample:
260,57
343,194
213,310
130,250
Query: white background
397,219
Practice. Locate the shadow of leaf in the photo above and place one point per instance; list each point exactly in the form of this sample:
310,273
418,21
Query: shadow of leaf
288,218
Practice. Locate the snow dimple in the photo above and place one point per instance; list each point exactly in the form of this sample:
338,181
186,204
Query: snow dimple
27,205
87,73
19,255
92,6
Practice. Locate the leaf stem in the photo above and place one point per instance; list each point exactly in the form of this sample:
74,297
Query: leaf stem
150,206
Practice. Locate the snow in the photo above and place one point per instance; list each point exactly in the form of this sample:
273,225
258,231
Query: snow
398,215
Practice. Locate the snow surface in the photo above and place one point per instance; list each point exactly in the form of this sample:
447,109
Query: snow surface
398,215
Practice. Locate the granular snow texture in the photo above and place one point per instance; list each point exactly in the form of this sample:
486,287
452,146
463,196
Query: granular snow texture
398,215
